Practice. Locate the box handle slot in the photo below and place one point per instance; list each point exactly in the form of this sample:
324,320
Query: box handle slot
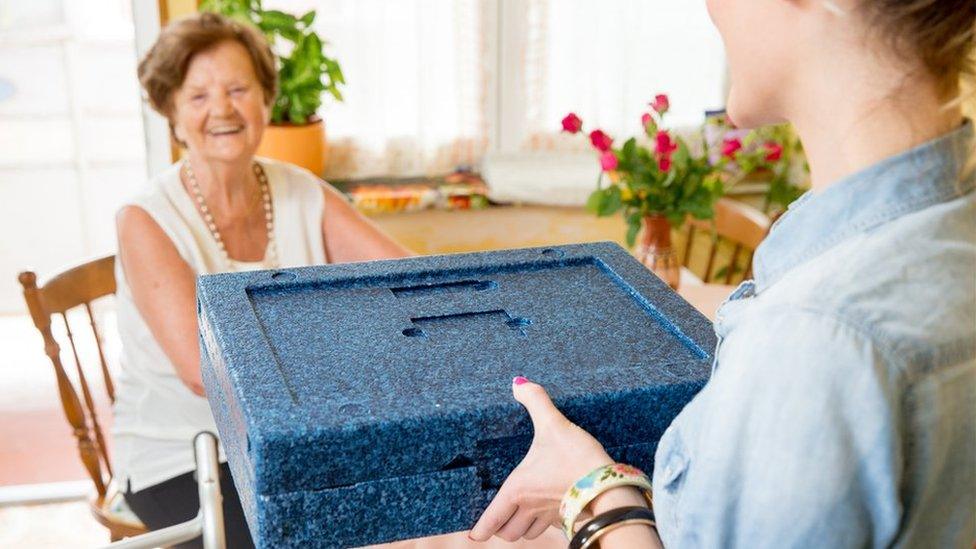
444,288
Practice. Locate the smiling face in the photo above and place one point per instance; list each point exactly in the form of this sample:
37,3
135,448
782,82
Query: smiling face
219,111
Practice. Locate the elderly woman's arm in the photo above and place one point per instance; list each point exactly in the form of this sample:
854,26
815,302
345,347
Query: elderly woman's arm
340,221
162,287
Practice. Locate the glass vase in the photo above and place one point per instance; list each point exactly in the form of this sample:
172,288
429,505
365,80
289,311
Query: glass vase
655,250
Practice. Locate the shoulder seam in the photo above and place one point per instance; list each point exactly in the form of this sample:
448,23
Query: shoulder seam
869,333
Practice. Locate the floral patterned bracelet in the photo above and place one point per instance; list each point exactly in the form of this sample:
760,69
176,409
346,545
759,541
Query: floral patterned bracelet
592,485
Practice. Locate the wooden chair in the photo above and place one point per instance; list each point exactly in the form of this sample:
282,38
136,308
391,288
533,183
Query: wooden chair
736,225
79,286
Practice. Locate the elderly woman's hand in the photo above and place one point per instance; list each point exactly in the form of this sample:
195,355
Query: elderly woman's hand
561,453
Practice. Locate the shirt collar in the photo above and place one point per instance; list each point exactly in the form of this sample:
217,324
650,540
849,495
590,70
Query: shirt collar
897,186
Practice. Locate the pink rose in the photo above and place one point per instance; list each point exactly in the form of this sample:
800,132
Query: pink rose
730,147
600,140
646,119
665,145
660,104
572,123
608,161
664,163
774,151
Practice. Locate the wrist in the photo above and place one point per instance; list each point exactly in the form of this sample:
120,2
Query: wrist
606,487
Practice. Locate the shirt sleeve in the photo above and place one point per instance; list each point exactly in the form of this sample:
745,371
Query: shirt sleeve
796,442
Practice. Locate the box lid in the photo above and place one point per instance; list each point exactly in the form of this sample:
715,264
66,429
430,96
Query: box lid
338,374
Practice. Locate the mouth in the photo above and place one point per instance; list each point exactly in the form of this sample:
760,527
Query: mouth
226,129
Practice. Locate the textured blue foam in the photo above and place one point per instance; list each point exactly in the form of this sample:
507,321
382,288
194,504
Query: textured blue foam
371,402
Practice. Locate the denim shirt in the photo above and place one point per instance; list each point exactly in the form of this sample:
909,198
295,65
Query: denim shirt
841,411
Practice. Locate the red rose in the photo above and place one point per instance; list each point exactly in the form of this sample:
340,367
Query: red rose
774,151
572,123
660,104
665,145
730,147
608,161
664,163
646,119
600,140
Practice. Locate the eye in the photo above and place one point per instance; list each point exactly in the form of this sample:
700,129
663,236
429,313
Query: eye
237,90
197,97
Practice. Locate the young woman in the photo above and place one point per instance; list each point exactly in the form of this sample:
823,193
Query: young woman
842,408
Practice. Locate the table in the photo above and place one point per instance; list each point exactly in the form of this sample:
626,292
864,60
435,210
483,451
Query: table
706,297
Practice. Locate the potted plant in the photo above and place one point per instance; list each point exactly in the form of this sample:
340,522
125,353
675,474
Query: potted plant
296,133
657,184
774,154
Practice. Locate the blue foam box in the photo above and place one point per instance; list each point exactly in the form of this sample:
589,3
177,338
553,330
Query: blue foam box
371,402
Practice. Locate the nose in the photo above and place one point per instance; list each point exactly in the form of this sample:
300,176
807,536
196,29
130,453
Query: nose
223,106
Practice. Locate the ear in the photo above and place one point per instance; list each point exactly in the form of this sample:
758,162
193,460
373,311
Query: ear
177,134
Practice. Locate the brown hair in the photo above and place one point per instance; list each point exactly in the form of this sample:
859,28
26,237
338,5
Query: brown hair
938,33
163,69
941,35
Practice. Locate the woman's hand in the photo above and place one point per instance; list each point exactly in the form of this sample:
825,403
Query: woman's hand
561,453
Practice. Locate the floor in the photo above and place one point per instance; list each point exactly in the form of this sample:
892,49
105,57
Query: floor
37,442
38,446
54,526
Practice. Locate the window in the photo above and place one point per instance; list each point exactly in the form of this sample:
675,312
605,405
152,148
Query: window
71,136
433,84
606,60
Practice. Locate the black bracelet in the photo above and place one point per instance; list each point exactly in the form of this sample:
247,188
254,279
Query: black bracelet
610,520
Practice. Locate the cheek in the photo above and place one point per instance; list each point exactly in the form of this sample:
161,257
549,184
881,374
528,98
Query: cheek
256,114
188,123
755,65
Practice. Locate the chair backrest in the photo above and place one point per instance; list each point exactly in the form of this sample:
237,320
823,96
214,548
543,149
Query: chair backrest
737,226
77,286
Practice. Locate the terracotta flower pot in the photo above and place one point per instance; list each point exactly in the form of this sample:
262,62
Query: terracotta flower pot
656,252
303,145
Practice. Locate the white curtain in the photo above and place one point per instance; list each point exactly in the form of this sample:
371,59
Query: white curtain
431,82
414,103
606,60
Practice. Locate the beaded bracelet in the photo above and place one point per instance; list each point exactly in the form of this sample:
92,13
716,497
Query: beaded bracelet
598,481
605,523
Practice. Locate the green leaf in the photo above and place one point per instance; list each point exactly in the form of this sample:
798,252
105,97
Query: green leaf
334,71
604,202
297,113
629,150
612,203
594,204
651,128
334,91
633,227
274,20
681,156
308,18
632,231
672,175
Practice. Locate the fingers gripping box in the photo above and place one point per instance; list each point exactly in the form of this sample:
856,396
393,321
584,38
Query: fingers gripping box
371,402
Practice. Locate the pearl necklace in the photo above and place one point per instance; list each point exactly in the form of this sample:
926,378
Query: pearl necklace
272,250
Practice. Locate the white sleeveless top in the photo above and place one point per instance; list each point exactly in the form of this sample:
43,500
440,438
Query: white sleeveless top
155,414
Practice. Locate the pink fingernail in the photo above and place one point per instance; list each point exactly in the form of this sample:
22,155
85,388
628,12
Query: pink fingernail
519,380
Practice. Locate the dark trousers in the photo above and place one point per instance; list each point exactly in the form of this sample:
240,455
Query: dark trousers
176,500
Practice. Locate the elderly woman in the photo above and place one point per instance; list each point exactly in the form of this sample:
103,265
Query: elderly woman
218,209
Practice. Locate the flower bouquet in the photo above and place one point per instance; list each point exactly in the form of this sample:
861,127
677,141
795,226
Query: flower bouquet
657,183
